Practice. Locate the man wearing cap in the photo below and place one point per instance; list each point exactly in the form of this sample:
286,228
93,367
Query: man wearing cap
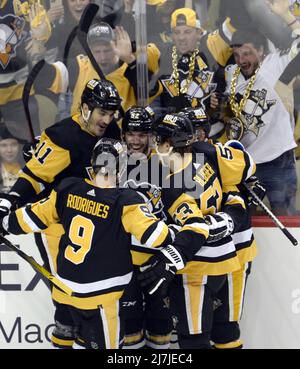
194,59
113,52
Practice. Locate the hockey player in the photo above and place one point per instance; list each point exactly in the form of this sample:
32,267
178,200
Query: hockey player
64,150
191,296
93,215
147,317
230,298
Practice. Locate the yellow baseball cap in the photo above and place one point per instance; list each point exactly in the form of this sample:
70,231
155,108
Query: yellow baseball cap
184,17
156,2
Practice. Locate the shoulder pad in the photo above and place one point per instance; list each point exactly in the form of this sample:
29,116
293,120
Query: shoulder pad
204,147
130,197
66,183
64,133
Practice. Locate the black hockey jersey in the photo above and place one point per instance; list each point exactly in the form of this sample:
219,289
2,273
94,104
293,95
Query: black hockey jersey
94,252
64,150
143,175
211,172
243,238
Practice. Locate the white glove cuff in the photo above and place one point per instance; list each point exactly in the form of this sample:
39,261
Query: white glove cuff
174,256
5,204
5,222
229,221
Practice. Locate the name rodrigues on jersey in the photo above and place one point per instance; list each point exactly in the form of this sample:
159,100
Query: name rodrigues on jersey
88,206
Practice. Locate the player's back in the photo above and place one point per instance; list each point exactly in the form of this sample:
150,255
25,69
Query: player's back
95,245
210,168
144,176
94,257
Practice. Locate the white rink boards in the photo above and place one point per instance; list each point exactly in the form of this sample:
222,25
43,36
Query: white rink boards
271,317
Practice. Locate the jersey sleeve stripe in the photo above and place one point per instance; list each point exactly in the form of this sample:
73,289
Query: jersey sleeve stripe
61,81
34,218
11,223
157,236
104,284
250,167
29,222
243,236
235,200
30,174
227,30
35,182
196,227
216,251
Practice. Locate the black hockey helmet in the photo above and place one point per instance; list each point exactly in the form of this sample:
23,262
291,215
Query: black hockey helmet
102,94
177,128
198,118
109,156
138,119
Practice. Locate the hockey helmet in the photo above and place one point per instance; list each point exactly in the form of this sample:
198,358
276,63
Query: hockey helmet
177,128
109,156
138,119
198,118
102,94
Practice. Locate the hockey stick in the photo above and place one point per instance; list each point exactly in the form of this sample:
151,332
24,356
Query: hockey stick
272,216
36,266
84,24
68,45
26,94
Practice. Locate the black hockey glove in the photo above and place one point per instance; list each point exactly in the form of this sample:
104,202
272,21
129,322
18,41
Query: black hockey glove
160,270
220,225
255,185
29,148
8,203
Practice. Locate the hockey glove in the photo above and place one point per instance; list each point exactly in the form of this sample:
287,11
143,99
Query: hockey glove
8,203
256,186
220,225
160,270
29,148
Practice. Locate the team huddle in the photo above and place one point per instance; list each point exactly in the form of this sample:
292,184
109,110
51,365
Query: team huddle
115,238
144,212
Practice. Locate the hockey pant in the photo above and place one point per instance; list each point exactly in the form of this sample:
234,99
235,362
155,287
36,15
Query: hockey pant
228,309
192,304
64,333
100,328
148,320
